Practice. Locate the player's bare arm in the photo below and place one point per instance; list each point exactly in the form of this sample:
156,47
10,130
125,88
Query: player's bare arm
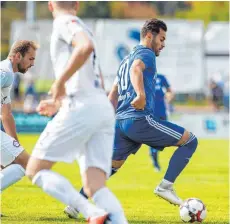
169,95
102,78
83,47
113,95
136,76
8,120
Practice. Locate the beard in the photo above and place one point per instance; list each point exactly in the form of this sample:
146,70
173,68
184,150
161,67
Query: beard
21,70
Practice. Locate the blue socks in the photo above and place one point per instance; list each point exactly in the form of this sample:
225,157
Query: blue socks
154,155
180,158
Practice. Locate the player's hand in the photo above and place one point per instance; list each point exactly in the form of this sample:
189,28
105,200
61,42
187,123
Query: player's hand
47,108
57,90
139,102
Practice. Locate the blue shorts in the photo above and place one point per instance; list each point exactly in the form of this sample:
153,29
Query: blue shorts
131,133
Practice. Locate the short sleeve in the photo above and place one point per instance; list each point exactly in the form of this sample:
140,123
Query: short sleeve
7,78
5,95
148,58
69,29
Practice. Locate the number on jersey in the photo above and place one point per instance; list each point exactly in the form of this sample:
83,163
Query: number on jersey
123,76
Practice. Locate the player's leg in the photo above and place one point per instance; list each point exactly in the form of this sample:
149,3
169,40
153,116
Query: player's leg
63,132
59,187
154,156
14,160
154,153
172,135
158,133
122,148
96,169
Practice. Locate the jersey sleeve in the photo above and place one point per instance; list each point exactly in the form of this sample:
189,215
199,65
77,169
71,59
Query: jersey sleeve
5,95
69,30
148,58
165,82
6,78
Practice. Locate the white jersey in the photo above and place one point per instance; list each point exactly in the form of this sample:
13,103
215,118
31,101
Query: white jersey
86,81
7,78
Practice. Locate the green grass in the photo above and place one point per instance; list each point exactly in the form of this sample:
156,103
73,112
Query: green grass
206,177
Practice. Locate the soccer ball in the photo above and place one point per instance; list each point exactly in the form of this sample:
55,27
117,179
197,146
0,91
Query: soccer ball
193,210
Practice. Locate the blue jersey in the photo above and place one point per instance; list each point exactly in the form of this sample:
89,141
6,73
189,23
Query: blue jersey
126,92
161,86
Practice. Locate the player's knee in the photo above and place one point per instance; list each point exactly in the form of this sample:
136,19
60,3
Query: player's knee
22,159
184,138
192,142
117,164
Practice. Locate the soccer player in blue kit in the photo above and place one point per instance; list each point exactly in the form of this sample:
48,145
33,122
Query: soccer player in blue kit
133,96
162,88
135,122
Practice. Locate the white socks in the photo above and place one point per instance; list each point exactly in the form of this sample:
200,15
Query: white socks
105,199
10,175
166,184
60,188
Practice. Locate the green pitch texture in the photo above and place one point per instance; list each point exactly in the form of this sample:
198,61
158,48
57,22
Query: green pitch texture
206,177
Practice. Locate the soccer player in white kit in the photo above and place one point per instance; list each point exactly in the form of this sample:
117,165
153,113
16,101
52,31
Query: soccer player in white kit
13,157
83,128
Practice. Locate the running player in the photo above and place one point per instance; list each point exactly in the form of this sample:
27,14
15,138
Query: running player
83,128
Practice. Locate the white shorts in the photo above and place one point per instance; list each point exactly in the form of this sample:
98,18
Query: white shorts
82,130
10,149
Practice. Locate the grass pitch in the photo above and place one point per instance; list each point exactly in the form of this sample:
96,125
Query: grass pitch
206,177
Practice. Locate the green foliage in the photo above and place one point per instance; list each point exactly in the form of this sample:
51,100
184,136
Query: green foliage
206,11
94,9
206,177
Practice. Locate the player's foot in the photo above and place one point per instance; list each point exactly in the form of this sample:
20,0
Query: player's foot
98,219
169,195
71,212
157,169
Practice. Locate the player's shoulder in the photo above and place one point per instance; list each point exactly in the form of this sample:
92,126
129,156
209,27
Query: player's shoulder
6,78
67,20
6,65
140,49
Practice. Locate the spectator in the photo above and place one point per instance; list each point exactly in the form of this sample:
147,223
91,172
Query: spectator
217,95
30,102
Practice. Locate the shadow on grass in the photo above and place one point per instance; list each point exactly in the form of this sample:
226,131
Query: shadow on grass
170,222
35,220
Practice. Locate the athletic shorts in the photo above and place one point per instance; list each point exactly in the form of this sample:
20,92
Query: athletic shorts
131,133
82,130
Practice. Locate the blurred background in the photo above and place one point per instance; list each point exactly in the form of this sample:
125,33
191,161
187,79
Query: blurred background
195,60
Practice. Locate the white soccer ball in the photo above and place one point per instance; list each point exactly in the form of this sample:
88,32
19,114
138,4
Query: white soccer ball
193,210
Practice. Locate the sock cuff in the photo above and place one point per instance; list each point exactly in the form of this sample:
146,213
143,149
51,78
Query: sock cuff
191,138
20,167
166,181
38,175
99,192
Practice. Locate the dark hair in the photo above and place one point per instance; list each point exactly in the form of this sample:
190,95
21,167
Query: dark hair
153,26
22,47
